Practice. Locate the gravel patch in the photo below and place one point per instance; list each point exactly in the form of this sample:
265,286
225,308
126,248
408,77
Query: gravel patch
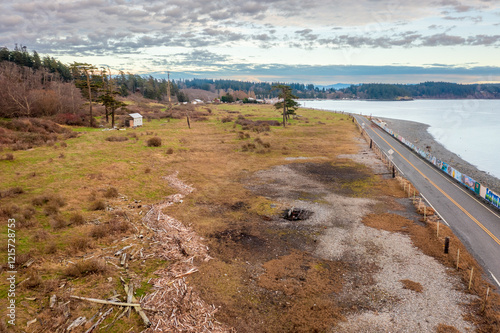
418,134
380,260
365,156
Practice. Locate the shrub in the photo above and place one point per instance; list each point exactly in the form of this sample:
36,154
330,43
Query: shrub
113,227
22,258
116,138
58,222
111,192
76,219
248,147
97,205
51,248
40,200
51,209
11,192
28,212
48,199
170,151
99,231
9,157
40,235
154,142
34,279
80,243
86,267
10,210
24,223
63,144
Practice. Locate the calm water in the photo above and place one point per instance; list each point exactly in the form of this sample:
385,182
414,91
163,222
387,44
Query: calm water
469,128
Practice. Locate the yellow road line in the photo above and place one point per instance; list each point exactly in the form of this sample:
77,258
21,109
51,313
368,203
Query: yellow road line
444,193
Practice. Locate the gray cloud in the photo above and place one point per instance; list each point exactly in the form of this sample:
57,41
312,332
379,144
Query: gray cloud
346,74
96,27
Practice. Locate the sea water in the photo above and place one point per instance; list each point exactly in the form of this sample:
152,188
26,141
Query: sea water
469,128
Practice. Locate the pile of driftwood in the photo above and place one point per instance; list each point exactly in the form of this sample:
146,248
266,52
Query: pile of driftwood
174,306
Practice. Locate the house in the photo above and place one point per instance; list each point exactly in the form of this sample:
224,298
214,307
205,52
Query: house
133,120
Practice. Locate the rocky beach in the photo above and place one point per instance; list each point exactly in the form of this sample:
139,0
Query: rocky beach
417,133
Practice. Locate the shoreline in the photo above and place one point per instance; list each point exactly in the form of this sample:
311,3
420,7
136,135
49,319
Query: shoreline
418,134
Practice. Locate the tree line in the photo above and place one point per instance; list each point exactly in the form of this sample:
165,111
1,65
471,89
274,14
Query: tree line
425,90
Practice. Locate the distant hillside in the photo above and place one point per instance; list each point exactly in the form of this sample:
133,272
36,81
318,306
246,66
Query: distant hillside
426,90
336,86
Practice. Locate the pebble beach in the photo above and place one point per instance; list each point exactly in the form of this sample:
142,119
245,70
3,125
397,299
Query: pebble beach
418,134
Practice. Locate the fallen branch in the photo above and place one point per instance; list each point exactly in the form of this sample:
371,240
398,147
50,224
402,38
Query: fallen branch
99,321
191,271
102,301
137,307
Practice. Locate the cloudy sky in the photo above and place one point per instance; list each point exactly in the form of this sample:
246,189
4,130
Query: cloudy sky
321,42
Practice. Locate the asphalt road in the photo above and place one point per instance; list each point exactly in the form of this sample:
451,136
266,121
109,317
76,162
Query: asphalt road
476,224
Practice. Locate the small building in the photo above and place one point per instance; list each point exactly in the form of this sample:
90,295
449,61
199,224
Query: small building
133,120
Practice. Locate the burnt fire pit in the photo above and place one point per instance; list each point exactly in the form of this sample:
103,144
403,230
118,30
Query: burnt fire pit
296,214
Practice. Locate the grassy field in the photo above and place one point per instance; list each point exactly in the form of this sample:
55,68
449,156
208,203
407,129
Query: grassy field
80,199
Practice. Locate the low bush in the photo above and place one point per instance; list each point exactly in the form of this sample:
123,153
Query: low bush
8,157
111,192
9,210
154,142
40,235
11,192
86,267
76,219
113,227
79,243
97,205
49,199
58,222
51,209
33,280
248,147
116,138
50,248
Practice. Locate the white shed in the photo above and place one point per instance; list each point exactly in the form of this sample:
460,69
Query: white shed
134,120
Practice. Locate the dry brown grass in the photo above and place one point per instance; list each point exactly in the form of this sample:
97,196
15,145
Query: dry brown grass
443,328
412,285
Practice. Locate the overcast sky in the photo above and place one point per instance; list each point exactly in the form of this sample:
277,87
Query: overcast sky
321,42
